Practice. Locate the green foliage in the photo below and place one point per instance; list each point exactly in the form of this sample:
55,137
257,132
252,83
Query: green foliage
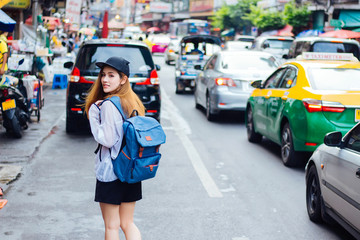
296,16
265,19
232,16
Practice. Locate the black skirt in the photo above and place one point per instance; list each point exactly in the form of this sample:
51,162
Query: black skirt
116,192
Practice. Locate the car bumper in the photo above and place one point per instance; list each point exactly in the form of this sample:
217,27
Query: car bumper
223,99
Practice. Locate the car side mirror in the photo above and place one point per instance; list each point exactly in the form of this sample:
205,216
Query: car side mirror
333,139
198,67
21,61
157,67
285,56
68,65
256,84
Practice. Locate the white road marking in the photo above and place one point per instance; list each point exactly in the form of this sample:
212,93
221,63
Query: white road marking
241,238
182,129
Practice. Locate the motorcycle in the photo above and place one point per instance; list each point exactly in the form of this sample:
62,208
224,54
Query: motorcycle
14,103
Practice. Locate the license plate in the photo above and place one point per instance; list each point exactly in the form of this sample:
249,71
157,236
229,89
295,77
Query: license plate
357,115
10,104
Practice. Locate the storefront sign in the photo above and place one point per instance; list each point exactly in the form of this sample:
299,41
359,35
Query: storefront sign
73,8
16,3
160,7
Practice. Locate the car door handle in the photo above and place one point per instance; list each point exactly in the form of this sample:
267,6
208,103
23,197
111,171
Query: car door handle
358,173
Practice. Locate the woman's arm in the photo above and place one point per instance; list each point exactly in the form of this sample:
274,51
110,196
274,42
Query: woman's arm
103,123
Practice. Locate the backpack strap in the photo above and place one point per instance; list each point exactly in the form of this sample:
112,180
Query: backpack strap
116,101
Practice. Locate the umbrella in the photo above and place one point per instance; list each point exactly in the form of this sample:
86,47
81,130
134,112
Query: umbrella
7,24
309,33
341,34
153,29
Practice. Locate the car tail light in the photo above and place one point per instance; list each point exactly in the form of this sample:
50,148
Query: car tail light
154,79
151,111
171,51
225,82
76,77
5,92
313,105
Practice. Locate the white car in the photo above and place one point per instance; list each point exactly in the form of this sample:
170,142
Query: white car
333,181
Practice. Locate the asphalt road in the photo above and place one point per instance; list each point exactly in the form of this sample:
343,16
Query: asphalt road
212,183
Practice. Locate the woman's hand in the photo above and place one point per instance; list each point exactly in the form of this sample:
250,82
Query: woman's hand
98,103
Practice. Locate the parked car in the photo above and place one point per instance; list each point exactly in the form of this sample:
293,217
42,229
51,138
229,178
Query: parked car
224,83
245,38
160,43
194,50
172,51
278,46
143,77
332,181
323,44
302,101
132,32
237,45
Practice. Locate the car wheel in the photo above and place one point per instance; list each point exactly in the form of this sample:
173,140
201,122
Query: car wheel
313,195
70,126
253,136
179,88
197,105
209,115
289,156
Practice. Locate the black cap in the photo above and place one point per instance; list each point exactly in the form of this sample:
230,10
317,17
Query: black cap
118,63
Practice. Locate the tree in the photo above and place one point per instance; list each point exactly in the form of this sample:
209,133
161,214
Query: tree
265,20
232,16
296,16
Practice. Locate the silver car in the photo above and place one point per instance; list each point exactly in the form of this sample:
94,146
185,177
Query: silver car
224,82
333,181
172,51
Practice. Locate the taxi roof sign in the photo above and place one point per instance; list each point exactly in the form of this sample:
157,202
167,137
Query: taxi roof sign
328,56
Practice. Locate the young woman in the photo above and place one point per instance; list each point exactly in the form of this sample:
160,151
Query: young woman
117,199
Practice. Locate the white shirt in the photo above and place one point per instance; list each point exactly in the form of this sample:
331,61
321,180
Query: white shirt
107,128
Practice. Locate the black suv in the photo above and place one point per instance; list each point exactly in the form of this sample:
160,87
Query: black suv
324,44
143,77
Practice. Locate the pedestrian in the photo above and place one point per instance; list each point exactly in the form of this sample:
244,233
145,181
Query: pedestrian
117,199
4,55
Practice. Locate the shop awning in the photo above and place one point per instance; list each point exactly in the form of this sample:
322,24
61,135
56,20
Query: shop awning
351,18
7,24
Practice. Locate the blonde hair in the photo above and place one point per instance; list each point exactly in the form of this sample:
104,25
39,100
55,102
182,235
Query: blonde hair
128,98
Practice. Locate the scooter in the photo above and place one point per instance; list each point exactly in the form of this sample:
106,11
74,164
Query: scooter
14,105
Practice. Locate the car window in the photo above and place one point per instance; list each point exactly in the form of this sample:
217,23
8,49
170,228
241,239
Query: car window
289,78
279,44
248,62
139,57
211,63
335,47
353,141
341,79
274,79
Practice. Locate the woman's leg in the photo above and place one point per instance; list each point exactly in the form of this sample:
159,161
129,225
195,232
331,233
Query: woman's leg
110,213
127,221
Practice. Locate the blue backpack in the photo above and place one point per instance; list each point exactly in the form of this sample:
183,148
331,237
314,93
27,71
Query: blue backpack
139,155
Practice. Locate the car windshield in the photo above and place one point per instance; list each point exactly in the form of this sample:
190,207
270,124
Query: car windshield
248,62
139,58
237,45
336,47
343,79
278,44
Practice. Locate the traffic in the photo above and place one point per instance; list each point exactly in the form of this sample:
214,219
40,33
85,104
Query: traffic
296,98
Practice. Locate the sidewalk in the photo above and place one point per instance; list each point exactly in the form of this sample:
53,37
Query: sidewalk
16,153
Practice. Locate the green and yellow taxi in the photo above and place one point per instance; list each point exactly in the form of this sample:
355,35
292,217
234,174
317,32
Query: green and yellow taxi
304,99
